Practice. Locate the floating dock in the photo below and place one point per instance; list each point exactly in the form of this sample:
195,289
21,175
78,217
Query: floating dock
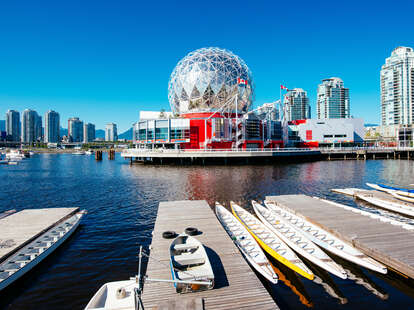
236,284
18,229
389,244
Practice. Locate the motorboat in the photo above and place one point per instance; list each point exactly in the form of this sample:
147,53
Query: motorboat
189,262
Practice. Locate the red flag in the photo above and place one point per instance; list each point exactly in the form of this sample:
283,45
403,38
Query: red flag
241,81
283,87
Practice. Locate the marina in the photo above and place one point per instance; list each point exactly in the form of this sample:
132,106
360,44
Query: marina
236,284
388,244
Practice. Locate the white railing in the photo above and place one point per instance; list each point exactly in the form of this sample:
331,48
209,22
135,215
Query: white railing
266,150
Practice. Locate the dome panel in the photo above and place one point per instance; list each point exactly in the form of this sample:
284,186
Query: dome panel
210,75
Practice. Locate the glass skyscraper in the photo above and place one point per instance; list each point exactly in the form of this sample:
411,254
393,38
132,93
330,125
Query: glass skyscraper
111,133
298,104
13,125
88,132
52,127
332,99
397,87
75,129
31,126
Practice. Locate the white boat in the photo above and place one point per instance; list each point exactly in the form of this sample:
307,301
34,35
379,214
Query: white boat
89,152
189,262
78,153
270,242
119,295
297,241
394,190
14,155
247,245
326,240
31,153
32,254
401,196
388,205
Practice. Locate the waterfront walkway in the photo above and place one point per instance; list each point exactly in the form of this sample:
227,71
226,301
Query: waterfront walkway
18,229
236,285
389,244
229,156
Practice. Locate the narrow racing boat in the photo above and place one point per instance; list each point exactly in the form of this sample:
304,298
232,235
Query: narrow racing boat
270,242
247,245
297,240
326,240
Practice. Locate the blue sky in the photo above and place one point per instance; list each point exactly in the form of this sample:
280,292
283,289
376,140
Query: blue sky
103,61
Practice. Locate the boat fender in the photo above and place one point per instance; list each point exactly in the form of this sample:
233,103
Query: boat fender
120,293
169,234
191,231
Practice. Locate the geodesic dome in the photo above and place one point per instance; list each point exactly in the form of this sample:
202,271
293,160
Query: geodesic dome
206,79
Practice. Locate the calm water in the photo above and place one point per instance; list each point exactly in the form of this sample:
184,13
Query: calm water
122,204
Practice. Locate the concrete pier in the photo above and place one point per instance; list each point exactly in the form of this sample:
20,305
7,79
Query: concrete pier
18,229
389,244
236,285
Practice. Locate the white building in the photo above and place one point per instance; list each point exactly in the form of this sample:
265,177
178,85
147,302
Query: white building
52,127
397,87
75,130
318,132
332,99
13,125
111,133
297,104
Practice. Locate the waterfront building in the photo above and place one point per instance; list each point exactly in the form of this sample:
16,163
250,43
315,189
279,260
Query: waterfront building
88,132
111,133
75,130
333,99
297,102
326,132
52,127
13,129
31,126
397,88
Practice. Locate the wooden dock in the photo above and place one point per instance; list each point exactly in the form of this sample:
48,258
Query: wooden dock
389,244
18,229
236,285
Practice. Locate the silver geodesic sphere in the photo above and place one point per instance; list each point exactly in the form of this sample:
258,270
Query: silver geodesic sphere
206,79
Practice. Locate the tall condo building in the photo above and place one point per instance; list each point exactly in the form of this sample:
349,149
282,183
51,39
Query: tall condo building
13,125
75,129
52,127
111,133
332,99
88,132
397,87
298,104
31,126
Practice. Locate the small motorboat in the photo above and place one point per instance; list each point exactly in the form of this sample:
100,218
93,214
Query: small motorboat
297,240
78,153
89,152
189,262
270,242
247,245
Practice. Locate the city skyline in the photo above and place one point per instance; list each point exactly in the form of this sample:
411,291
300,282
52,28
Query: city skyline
80,67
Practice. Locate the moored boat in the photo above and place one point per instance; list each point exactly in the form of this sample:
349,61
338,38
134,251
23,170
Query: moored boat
326,240
388,205
16,265
189,262
78,153
246,243
401,196
270,242
297,240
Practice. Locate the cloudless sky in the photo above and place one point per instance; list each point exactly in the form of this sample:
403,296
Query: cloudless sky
103,61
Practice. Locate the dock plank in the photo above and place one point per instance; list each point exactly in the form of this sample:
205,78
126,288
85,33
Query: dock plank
389,244
236,284
17,229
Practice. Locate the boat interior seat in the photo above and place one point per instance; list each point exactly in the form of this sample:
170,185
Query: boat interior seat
188,260
185,247
193,275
